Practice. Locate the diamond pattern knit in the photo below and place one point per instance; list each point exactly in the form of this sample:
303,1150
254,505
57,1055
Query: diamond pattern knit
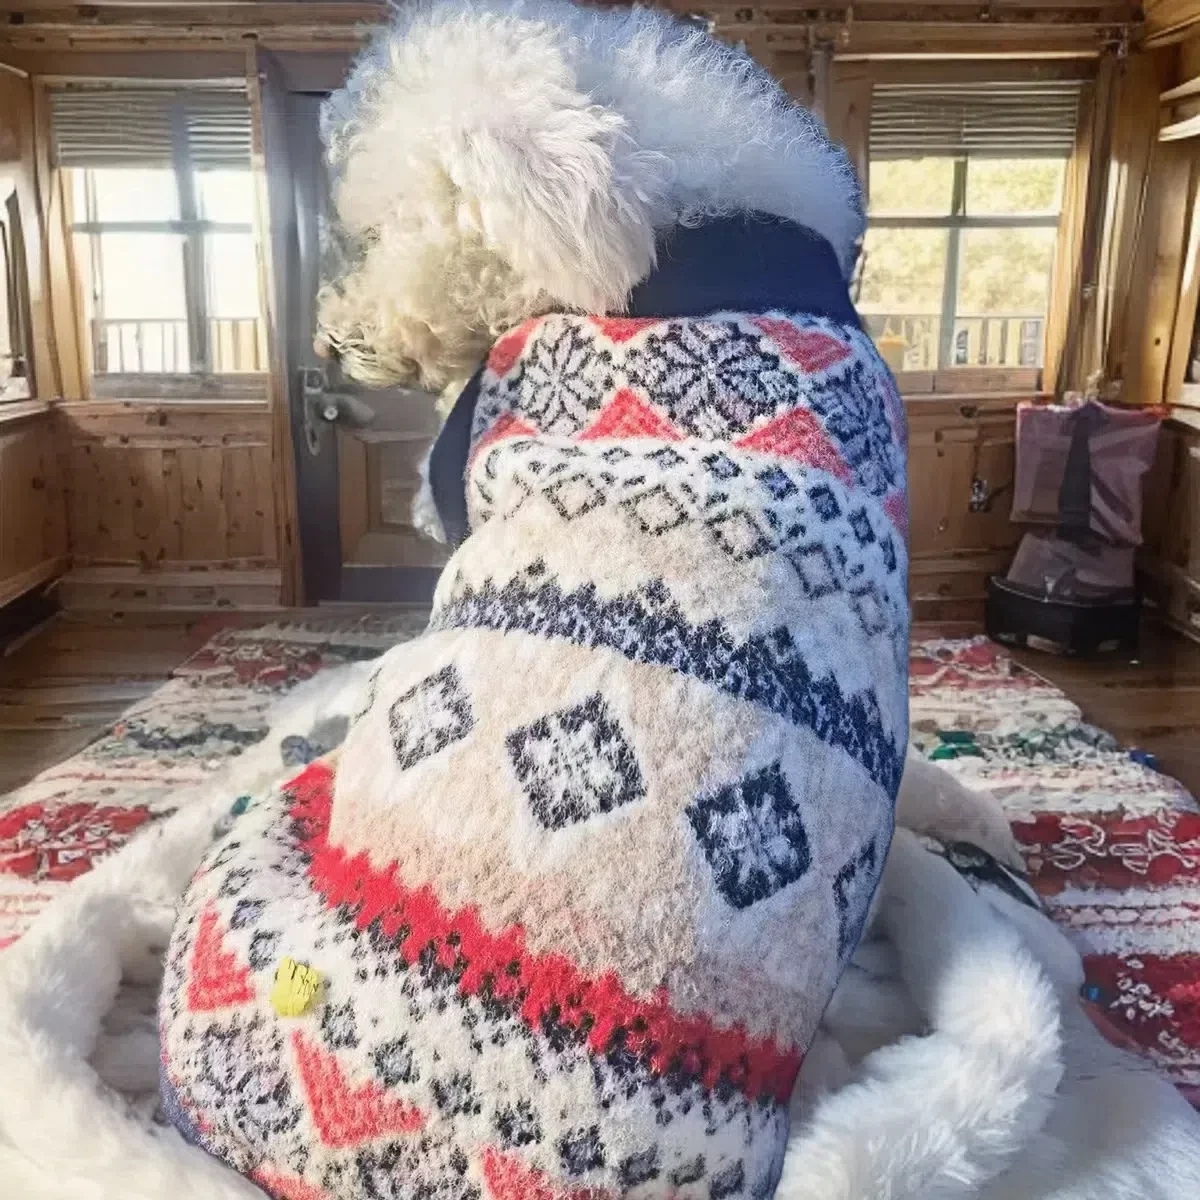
585,872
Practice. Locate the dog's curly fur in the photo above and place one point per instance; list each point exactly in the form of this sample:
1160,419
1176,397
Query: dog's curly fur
536,175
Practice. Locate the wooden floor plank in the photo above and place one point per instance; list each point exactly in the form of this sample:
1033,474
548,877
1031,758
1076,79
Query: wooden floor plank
1150,700
63,687
53,694
24,753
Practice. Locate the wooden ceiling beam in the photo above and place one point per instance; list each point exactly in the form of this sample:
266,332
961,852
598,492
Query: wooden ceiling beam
1170,20
684,6
952,71
92,62
265,14
927,41
965,12
868,27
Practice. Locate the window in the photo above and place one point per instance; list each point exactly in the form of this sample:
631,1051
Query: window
163,221
965,196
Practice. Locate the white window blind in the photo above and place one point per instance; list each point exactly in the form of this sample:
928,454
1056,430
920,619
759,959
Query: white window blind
150,126
1003,120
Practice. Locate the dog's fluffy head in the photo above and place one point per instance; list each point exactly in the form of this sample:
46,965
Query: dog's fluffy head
492,159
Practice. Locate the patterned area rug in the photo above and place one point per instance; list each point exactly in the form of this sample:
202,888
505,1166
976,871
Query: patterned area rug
1112,846
57,825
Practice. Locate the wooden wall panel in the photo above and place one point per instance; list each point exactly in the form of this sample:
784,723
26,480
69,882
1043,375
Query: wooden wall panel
18,154
163,487
961,460
33,531
1152,334
169,506
1170,556
849,118
1155,291
1158,237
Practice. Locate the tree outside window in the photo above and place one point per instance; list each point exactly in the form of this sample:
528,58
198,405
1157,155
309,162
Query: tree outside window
957,259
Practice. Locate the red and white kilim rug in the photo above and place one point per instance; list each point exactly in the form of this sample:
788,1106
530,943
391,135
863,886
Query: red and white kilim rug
56,826
1113,847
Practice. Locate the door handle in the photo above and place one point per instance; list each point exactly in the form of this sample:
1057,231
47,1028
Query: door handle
344,409
325,407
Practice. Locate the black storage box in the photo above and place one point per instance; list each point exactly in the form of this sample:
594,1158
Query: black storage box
1017,616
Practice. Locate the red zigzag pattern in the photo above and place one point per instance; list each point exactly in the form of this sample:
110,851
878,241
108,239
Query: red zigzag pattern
534,986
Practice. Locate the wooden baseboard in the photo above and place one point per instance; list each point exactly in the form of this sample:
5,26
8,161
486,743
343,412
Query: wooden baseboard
1184,628
953,587
948,612
36,576
947,588
124,589
1172,595
12,411
22,617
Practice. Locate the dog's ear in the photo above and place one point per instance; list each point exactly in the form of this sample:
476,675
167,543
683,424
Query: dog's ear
470,127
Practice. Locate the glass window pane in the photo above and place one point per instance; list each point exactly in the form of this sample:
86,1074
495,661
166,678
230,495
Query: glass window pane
1014,186
236,335
904,273
906,187
136,301
1003,290
140,275
226,195
128,194
232,275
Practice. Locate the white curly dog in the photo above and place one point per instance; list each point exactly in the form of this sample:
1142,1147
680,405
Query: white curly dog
532,173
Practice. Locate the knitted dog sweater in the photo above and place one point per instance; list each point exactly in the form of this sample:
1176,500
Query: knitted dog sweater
584,874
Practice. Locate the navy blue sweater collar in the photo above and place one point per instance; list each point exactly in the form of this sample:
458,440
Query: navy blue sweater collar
745,264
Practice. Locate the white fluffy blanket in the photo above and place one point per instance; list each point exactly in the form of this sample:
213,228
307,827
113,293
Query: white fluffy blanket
954,1059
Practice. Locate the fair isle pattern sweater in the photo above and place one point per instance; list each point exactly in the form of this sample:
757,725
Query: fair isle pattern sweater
587,868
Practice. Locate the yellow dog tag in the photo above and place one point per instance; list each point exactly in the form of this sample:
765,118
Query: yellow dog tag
296,988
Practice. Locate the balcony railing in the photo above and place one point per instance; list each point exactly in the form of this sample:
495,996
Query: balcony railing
237,345
910,341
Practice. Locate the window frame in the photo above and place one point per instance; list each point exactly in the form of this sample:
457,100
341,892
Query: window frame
19,385
955,223
200,381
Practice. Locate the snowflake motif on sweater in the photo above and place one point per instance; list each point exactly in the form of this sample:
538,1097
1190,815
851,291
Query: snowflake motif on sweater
597,847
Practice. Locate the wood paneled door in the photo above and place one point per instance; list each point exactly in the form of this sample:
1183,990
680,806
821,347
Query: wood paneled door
356,450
